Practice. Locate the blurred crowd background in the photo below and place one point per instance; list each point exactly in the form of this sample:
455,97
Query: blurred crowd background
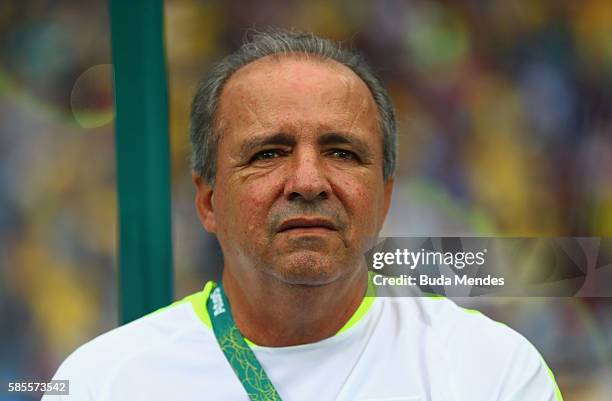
505,128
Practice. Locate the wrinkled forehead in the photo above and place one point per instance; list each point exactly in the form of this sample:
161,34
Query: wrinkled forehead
294,64
297,89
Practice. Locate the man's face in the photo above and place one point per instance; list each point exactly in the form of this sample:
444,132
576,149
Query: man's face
299,190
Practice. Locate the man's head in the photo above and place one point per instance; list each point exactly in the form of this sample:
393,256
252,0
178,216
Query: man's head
293,156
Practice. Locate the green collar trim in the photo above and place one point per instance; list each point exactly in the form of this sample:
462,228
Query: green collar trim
364,307
198,302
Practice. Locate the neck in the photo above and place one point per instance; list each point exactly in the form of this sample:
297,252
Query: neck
272,313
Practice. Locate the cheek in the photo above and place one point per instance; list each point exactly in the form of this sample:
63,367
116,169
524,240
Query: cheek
250,203
363,201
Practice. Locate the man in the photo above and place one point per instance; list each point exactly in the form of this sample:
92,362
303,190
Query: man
294,153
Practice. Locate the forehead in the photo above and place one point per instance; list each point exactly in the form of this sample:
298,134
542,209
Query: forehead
278,92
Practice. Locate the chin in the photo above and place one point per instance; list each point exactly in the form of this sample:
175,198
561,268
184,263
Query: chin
309,269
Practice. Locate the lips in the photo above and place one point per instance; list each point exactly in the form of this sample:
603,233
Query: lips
305,223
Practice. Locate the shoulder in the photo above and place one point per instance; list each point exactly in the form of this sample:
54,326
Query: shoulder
132,339
141,335
450,325
462,328
484,359
95,364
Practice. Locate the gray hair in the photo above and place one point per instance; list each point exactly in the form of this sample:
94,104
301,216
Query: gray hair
203,131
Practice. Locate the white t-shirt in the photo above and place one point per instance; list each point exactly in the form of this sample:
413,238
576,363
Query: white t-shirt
392,349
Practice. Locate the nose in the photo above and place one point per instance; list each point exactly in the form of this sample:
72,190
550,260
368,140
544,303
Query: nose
307,179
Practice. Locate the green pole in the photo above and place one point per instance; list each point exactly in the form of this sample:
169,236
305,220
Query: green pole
143,162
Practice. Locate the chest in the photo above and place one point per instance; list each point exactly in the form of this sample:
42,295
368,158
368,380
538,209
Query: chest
378,367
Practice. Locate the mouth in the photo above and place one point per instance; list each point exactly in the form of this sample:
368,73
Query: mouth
307,225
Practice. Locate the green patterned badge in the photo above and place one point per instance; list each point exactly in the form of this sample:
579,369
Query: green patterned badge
238,353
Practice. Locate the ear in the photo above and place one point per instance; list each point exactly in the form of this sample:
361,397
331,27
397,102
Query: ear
388,192
204,202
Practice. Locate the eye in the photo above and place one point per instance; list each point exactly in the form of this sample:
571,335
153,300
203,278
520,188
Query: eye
343,154
267,154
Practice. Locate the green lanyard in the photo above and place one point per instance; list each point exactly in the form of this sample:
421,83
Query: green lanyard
238,353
